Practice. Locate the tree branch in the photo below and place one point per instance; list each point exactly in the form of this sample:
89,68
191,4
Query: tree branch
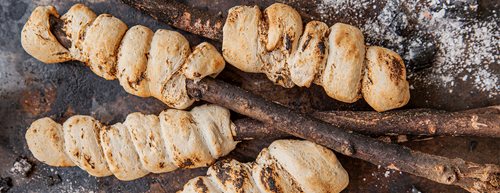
470,176
480,122
181,16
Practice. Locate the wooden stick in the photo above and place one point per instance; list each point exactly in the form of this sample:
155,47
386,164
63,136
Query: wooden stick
183,17
248,129
481,122
470,176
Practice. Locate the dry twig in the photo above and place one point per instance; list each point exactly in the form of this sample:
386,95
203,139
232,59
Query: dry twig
481,122
470,176
181,16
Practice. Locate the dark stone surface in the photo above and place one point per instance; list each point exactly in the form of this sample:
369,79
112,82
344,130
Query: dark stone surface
30,90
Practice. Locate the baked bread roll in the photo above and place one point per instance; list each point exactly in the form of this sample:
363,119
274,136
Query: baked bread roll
133,59
230,176
204,61
102,39
285,166
83,146
177,128
145,134
384,82
145,63
343,71
45,140
121,156
314,167
309,60
279,33
200,184
218,141
38,41
270,177
239,44
142,144
169,51
333,58
76,20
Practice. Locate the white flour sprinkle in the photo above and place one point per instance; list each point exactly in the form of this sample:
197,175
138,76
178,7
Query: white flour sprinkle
340,6
466,48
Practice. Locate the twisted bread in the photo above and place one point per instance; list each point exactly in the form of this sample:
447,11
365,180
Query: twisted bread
139,145
157,64
272,42
286,166
146,63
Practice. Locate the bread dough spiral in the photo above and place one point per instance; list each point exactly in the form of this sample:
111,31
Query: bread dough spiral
285,166
146,63
274,42
138,146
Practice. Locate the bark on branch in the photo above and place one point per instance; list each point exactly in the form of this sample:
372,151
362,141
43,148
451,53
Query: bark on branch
183,17
470,176
481,122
